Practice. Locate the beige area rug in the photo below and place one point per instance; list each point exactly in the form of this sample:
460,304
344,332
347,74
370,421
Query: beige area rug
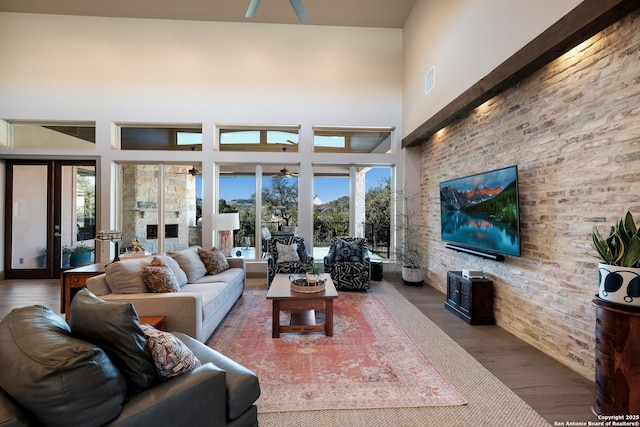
369,362
489,402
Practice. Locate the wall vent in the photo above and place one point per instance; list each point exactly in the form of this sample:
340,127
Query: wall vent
429,80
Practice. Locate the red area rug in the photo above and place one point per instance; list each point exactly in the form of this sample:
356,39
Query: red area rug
370,362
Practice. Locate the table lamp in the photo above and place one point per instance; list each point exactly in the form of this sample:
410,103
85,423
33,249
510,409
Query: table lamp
114,236
224,223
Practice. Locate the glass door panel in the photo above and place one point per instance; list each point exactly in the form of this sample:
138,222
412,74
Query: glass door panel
377,224
280,199
50,207
77,224
29,220
237,191
182,207
330,206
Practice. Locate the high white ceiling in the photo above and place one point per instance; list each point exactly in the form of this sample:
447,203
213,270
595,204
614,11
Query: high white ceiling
352,13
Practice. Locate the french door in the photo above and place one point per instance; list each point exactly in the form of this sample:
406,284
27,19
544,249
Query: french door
49,204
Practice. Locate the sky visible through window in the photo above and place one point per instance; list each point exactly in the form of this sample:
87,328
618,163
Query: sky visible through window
325,188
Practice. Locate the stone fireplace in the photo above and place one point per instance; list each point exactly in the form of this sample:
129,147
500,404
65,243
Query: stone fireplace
140,206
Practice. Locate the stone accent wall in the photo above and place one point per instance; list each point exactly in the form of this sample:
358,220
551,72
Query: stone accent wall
140,206
573,129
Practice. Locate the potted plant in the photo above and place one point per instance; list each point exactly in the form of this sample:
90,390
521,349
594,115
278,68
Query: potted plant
313,273
81,255
409,250
66,256
619,269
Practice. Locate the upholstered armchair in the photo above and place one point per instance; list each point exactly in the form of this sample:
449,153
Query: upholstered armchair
348,263
285,258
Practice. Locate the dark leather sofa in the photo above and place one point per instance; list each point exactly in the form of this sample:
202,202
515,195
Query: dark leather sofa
51,378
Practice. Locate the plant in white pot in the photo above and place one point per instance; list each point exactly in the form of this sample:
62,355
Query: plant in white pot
409,251
313,273
66,256
619,270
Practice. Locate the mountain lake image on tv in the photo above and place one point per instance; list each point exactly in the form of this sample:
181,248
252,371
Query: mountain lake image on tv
481,212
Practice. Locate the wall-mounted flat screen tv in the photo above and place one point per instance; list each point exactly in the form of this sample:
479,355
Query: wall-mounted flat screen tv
481,212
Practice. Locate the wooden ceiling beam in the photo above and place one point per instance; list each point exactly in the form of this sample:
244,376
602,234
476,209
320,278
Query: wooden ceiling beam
584,21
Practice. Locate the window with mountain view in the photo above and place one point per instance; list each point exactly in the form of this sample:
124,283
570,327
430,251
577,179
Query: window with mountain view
341,192
278,208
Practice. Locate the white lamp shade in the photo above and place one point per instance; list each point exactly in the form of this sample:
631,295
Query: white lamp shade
226,221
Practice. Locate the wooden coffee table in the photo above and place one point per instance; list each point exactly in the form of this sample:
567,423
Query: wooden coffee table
302,306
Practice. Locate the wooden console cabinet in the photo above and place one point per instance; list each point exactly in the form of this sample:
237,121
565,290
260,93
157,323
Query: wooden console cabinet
617,360
75,279
470,299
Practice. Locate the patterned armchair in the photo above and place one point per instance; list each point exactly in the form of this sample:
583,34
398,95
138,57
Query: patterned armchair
348,263
283,259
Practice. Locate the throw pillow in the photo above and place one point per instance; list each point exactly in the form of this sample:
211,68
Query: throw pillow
159,278
58,378
115,327
171,356
190,263
181,276
348,251
287,253
125,277
214,260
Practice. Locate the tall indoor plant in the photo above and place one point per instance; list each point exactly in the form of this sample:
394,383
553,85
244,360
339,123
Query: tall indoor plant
619,269
409,251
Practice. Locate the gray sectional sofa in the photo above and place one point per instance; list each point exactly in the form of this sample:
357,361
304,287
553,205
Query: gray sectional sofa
99,371
199,306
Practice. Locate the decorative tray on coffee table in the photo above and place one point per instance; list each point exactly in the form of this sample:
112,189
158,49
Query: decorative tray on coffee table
301,285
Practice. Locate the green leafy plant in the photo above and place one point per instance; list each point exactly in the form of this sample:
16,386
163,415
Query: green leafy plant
409,250
622,247
67,250
82,248
314,268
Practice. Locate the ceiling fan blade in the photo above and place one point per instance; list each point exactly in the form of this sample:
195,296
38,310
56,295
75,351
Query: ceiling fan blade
253,8
299,8
285,173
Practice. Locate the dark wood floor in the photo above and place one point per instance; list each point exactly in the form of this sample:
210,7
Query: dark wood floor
554,391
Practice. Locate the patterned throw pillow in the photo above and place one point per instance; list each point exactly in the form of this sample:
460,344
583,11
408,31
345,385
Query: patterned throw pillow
214,260
287,253
171,356
159,278
348,251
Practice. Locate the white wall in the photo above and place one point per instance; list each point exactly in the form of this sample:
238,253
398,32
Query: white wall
465,40
112,70
62,67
